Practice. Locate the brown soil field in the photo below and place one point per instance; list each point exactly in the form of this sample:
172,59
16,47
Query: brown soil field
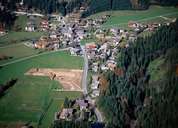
70,79
11,125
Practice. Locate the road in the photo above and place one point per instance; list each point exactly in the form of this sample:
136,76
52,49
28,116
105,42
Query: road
84,84
85,72
30,14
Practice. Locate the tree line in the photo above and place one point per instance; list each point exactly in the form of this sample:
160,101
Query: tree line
130,99
7,18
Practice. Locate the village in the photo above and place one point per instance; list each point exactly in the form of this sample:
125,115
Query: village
68,32
76,110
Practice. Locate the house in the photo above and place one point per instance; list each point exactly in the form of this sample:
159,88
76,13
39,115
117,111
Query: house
44,25
95,93
30,26
95,67
82,104
104,68
75,51
65,114
132,24
53,35
111,65
91,46
95,82
100,36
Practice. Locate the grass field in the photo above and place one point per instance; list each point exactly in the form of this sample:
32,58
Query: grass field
156,69
17,51
21,22
85,41
17,37
53,60
121,18
32,98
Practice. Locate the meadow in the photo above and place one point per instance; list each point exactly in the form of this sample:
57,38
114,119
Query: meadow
17,37
121,18
32,99
17,51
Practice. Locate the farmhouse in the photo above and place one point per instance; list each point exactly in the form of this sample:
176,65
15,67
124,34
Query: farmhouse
132,24
31,25
65,114
44,25
82,103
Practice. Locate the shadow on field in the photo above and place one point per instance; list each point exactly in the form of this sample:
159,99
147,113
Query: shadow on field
4,88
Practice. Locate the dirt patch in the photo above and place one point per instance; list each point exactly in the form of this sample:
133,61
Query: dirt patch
70,79
11,125
4,57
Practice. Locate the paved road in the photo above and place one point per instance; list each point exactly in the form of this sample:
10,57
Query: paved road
26,13
33,56
84,84
85,72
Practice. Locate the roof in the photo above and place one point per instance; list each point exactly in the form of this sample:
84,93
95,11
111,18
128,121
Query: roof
81,103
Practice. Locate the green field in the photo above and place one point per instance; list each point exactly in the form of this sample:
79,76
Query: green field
32,98
17,37
21,22
85,41
121,18
17,51
157,70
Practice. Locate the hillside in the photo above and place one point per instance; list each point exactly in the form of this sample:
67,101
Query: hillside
146,95
91,6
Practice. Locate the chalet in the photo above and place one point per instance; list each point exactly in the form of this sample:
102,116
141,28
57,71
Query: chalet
82,104
65,114
30,26
95,93
95,67
132,24
100,36
53,35
95,82
91,46
47,43
44,25
75,51
111,65
104,68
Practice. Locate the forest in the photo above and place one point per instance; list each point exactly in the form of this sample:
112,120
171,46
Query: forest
92,6
132,99
6,17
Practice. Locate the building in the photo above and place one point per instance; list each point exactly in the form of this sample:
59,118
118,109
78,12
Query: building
65,114
31,25
44,25
82,104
